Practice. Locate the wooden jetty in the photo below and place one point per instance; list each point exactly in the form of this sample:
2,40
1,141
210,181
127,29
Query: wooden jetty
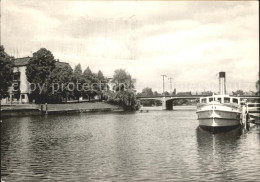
250,114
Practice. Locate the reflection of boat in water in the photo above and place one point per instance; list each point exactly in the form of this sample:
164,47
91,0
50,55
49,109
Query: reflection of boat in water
205,138
219,112
215,150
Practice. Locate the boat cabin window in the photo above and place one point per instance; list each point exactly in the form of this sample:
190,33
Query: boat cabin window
203,100
218,99
226,100
235,100
210,99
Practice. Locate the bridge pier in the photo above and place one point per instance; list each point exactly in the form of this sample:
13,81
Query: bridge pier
166,104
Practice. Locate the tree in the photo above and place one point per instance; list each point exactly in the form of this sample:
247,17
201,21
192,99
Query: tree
123,80
92,80
6,72
100,75
166,93
89,76
125,94
88,73
174,91
38,73
127,100
147,92
77,79
61,78
156,93
238,93
77,72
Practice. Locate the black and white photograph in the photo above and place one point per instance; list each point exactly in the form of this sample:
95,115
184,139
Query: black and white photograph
134,91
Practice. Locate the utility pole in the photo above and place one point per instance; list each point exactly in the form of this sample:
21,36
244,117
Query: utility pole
170,84
163,82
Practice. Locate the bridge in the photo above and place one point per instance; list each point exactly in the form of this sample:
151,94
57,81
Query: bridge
167,101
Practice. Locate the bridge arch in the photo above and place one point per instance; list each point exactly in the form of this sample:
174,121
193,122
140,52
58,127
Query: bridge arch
168,103
142,101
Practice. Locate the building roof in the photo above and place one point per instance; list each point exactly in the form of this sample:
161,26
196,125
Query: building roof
21,61
59,64
24,61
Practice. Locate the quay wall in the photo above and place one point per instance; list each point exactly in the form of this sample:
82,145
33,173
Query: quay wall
57,109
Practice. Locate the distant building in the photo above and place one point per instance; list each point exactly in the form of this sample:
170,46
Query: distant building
19,91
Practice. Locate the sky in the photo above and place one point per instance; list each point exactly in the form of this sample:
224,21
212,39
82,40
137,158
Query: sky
188,41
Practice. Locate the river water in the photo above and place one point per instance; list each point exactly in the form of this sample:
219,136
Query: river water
153,146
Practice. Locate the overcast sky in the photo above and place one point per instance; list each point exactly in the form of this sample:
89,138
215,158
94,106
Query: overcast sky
189,41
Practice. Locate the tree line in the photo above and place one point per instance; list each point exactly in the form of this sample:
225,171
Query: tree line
46,75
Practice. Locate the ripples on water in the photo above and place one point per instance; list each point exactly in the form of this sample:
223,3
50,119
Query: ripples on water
154,146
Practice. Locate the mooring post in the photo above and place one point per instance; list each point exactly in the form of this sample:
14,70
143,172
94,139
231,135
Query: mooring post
46,108
41,108
244,115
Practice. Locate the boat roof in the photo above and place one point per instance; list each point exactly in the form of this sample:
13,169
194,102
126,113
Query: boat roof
221,96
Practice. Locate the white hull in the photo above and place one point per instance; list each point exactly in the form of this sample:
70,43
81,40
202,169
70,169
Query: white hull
216,115
219,122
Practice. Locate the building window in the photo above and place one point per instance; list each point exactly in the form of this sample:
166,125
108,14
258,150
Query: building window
17,76
23,96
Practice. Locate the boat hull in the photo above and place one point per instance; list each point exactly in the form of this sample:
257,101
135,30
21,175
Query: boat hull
218,117
218,128
218,124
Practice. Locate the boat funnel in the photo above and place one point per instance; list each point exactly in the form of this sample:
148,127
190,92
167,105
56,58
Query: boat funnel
222,83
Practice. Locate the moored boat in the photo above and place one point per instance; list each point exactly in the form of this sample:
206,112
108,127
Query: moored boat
219,112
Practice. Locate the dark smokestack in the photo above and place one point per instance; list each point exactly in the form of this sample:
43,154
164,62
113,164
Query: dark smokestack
222,83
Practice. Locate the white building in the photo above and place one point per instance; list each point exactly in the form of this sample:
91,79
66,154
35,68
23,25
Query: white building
19,91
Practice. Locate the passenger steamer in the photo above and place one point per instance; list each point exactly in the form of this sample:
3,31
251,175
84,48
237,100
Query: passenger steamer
219,112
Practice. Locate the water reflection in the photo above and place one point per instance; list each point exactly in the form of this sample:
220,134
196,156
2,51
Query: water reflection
154,146
219,154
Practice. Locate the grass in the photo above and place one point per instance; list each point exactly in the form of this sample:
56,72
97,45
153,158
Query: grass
67,106
85,105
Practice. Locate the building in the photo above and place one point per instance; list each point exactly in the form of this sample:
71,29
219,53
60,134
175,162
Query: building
19,91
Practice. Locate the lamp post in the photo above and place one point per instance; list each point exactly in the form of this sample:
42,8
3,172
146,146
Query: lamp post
163,82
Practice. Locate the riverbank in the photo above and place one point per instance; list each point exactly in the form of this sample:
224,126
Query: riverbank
175,108
68,108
